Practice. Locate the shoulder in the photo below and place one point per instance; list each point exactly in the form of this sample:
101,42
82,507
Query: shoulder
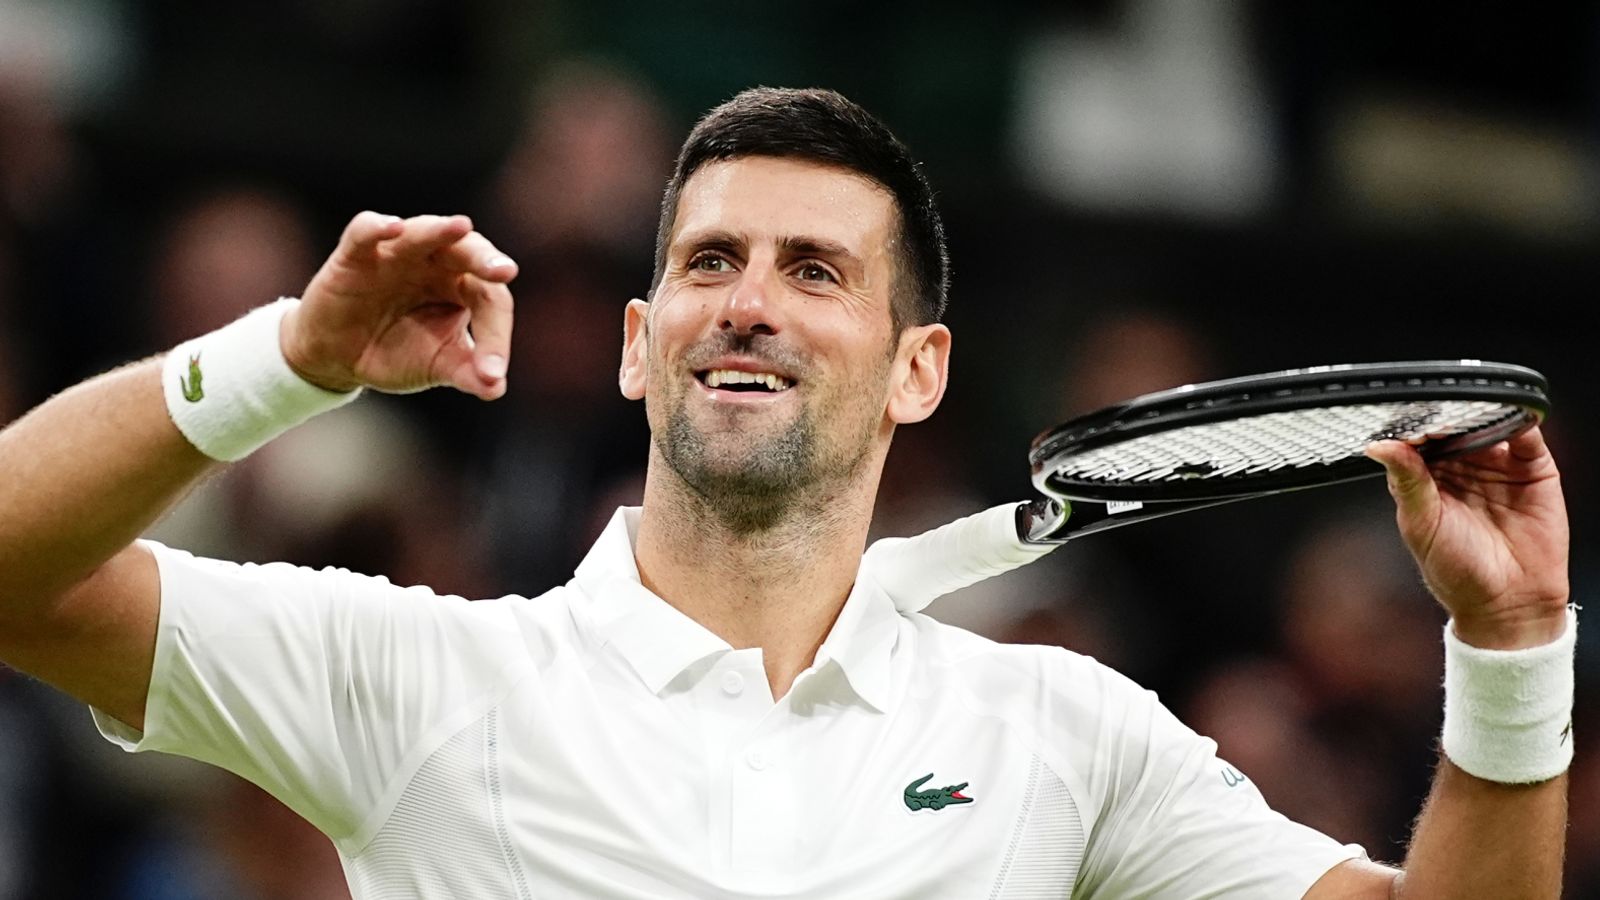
551,625
1071,707
1087,722
216,594
993,670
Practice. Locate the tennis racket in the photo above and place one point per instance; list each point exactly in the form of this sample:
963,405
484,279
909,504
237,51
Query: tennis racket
1204,445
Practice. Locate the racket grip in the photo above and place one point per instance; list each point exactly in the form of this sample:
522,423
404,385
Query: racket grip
915,571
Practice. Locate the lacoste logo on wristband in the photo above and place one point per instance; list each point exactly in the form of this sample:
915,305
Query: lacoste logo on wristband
933,798
192,389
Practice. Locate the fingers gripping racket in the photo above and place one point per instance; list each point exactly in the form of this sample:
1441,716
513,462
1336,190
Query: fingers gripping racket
1207,444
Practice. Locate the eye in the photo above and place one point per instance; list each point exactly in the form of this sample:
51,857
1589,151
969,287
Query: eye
811,271
709,262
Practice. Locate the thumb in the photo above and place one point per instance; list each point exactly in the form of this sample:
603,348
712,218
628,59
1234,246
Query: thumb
1416,495
459,367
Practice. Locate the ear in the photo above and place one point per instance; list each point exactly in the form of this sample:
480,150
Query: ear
922,366
635,350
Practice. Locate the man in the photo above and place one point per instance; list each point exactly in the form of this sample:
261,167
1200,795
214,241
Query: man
716,706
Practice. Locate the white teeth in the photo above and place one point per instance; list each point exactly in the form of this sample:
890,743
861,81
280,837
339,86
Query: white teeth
772,382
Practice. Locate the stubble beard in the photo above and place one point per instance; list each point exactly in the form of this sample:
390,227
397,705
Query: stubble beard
752,484
750,489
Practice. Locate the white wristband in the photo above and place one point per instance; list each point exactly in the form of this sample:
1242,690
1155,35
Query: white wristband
231,391
1508,713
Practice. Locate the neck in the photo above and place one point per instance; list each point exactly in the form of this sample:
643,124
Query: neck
779,588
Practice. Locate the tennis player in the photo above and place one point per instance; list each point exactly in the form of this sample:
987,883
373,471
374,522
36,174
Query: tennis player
717,705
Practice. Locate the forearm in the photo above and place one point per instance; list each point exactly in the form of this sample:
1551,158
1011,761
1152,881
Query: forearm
1478,838
85,473
1495,822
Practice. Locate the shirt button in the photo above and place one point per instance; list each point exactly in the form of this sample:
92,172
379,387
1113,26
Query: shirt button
732,683
757,760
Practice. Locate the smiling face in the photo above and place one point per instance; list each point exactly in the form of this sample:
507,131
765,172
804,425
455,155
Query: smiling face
767,357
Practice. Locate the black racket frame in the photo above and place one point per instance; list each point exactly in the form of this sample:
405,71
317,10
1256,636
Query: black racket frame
1072,509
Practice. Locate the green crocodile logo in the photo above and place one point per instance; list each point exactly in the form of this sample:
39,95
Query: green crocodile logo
192,389
933,798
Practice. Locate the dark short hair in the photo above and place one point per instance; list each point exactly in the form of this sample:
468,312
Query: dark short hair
822,126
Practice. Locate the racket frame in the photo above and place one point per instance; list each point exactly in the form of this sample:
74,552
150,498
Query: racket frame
1072,509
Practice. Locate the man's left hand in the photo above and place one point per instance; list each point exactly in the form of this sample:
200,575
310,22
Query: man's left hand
1489,530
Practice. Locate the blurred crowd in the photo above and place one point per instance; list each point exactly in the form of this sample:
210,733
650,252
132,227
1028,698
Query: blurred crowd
1141,194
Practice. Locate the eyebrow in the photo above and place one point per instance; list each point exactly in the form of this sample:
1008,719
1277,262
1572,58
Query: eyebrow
715,239
815,246
808,245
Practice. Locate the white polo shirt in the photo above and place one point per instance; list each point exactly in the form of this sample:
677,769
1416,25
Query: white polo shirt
597,743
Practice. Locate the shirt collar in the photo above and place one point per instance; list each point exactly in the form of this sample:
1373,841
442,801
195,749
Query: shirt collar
650,633
659,642
862,639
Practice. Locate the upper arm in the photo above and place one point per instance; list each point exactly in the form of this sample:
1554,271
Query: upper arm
98,641
84,474
1355,879
319,686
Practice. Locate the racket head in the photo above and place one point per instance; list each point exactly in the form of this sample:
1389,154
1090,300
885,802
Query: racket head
1283,430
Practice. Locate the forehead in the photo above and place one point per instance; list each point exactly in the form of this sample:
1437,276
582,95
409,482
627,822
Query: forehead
765,197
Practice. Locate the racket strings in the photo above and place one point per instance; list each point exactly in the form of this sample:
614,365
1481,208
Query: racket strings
1271,442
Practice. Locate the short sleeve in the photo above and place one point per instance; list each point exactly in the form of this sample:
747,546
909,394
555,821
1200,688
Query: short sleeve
1178,822
321,686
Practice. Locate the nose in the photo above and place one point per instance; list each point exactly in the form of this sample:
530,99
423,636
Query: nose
748,308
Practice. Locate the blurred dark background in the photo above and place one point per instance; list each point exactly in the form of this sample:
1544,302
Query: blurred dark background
1140,193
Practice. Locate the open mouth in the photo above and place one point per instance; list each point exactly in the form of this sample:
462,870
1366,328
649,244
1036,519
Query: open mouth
744,382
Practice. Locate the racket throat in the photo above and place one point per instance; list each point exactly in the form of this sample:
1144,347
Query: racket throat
1039,520
1052,521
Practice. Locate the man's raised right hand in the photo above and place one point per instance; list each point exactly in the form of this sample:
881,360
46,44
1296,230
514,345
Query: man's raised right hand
404,305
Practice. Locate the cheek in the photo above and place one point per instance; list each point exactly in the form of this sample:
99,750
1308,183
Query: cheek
677,325
862,379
